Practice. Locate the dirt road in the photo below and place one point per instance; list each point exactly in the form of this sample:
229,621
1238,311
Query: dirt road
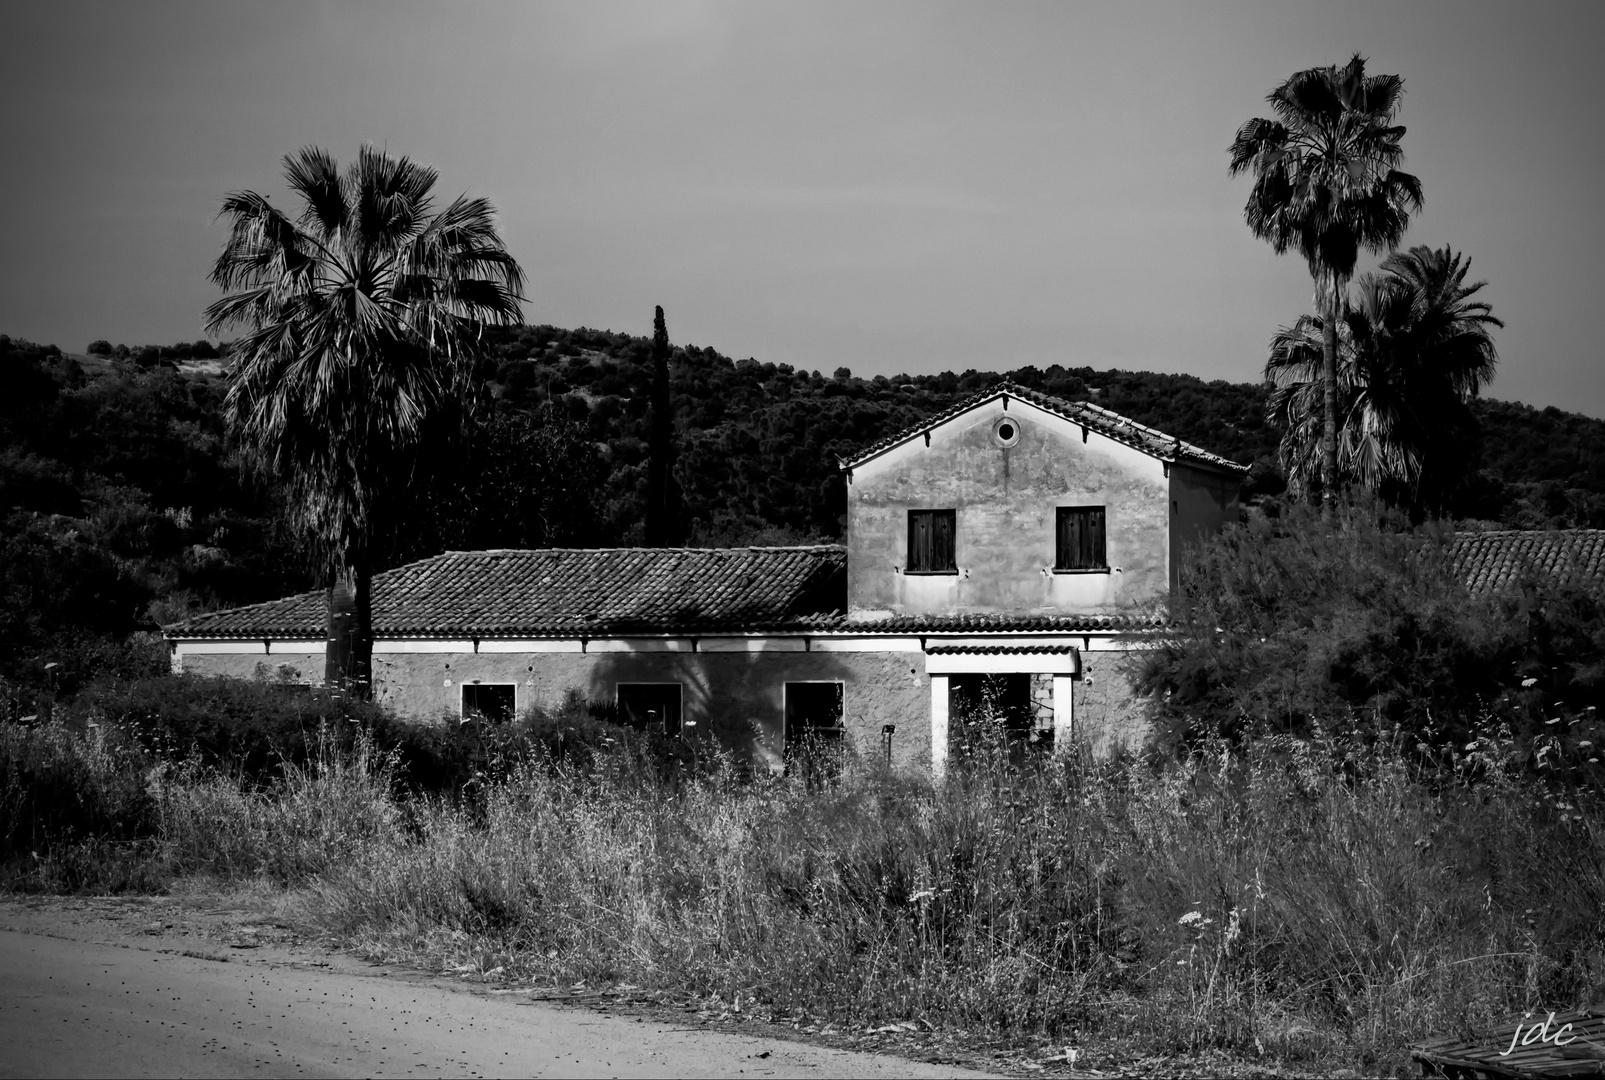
75,1006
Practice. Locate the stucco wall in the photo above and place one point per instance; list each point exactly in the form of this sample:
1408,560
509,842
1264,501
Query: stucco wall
1005,501
304,668
738,696
1108,714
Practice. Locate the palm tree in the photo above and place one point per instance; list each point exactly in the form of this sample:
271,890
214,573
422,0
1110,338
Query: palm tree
1326,183
362,323
1413,349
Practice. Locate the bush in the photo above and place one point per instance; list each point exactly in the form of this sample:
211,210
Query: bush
250,728
1298,624
59,787
255,730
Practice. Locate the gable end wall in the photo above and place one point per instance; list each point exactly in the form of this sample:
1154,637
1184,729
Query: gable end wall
1005,500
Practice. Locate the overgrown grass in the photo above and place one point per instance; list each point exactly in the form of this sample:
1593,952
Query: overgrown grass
1315,901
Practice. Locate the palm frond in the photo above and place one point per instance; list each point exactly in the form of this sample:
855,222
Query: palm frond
314,175
1413,349
361,332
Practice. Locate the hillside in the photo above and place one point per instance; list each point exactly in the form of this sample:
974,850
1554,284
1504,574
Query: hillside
759,442
123,504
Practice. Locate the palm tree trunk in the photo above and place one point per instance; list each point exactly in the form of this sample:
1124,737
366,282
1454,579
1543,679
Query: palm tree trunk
1329,318
348,650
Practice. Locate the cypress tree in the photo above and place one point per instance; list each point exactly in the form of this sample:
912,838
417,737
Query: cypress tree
662,524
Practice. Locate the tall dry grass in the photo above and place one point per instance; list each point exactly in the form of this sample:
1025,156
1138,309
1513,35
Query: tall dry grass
1298,900
1315,900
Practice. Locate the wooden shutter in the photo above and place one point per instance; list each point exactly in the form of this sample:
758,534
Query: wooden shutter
943,553
1081,543
919,540
931,541
1065,556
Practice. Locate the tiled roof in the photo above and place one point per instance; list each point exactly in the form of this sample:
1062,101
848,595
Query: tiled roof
1497,560
1103,421
567,592
1001,623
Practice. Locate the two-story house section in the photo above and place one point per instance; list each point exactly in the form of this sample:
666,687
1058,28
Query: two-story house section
1034,543
1016,503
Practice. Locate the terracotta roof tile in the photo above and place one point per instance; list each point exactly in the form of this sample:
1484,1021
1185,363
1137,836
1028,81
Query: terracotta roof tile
1496,560
1104,421
567,592
1003,623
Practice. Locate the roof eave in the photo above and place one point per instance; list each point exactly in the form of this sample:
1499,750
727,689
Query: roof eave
1223,465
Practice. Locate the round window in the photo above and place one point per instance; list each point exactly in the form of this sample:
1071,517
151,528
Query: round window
1006,431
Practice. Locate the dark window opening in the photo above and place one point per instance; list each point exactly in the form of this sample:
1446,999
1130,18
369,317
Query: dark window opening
489,701
650,706
931,546
1081,540
815,740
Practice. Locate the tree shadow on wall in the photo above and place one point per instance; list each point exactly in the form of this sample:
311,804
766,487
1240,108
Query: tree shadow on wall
731,703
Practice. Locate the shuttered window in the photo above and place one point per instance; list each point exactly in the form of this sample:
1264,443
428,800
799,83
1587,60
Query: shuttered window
930,542
1081,543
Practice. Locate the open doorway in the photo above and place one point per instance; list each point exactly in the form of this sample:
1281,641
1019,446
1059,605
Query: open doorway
989,711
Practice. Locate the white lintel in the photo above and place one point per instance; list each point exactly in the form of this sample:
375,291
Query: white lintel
1002,663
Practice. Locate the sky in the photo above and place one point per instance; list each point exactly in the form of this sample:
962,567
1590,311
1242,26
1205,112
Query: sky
888,187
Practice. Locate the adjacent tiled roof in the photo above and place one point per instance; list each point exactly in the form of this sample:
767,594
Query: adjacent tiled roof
1002,623
1103,421
567,592
1497,560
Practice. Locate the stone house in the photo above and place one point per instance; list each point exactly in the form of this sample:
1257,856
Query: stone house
1009,553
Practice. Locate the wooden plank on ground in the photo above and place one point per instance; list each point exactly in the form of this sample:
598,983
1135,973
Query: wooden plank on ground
1544,1045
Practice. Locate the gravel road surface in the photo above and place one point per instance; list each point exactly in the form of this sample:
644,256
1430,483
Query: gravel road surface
107,1008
